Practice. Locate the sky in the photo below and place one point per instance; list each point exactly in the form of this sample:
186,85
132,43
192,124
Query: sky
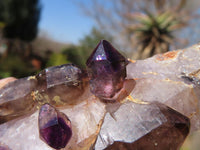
64,21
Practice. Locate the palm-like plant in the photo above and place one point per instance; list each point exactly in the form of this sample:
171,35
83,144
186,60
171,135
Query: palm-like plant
153,33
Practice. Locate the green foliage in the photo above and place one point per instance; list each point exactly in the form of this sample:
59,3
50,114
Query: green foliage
73,55
56,59
78,54
153,33
21,18
17,66
14,66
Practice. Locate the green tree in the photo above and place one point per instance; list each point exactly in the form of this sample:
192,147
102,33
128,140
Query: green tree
18,26
21,18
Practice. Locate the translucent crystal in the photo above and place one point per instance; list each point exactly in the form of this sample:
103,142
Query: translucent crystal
86,118
16,100
134,126
4,147
107,70
60,85
54,127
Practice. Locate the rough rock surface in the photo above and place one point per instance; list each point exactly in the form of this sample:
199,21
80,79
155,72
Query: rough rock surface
171,78
139,127
86,119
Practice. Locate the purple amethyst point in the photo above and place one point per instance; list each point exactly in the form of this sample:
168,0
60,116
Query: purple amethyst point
106,70
54,127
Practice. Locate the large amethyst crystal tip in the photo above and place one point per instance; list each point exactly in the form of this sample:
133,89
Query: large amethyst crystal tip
54,127
107,70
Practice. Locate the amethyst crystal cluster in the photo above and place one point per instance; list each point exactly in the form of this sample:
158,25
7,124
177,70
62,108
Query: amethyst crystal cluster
116,124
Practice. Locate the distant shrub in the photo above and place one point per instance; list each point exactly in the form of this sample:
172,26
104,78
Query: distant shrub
73,55
56,59
15,66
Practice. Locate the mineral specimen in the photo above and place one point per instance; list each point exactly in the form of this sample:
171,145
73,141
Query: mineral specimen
60,85
15,99
86,119
160,78
171,79
54,127
140,127
107,70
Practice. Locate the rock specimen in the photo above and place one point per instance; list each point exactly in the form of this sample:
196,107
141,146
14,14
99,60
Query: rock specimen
107,70
15,99
168,78
60,85
86,118
171,79
54,127
139,127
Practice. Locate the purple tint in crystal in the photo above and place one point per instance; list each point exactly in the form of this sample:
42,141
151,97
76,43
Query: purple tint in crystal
107,70
4,147
54,127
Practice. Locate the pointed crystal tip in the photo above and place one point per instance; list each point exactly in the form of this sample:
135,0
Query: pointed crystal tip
54,127
107,70
105,51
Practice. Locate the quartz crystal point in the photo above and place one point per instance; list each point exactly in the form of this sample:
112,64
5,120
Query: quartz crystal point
54,127
172,79
16,100
60,85
86,119
107,70
135,126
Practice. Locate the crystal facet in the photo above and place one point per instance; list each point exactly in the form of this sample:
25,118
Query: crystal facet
16,100
152,126
59,85
107,70
4,147
54,127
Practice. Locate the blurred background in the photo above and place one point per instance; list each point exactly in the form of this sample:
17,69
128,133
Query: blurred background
35,34
40,33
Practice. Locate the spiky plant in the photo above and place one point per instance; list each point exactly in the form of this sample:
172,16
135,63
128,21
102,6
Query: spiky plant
153,34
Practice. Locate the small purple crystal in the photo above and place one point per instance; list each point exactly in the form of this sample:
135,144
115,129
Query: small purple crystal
107,70
54,127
